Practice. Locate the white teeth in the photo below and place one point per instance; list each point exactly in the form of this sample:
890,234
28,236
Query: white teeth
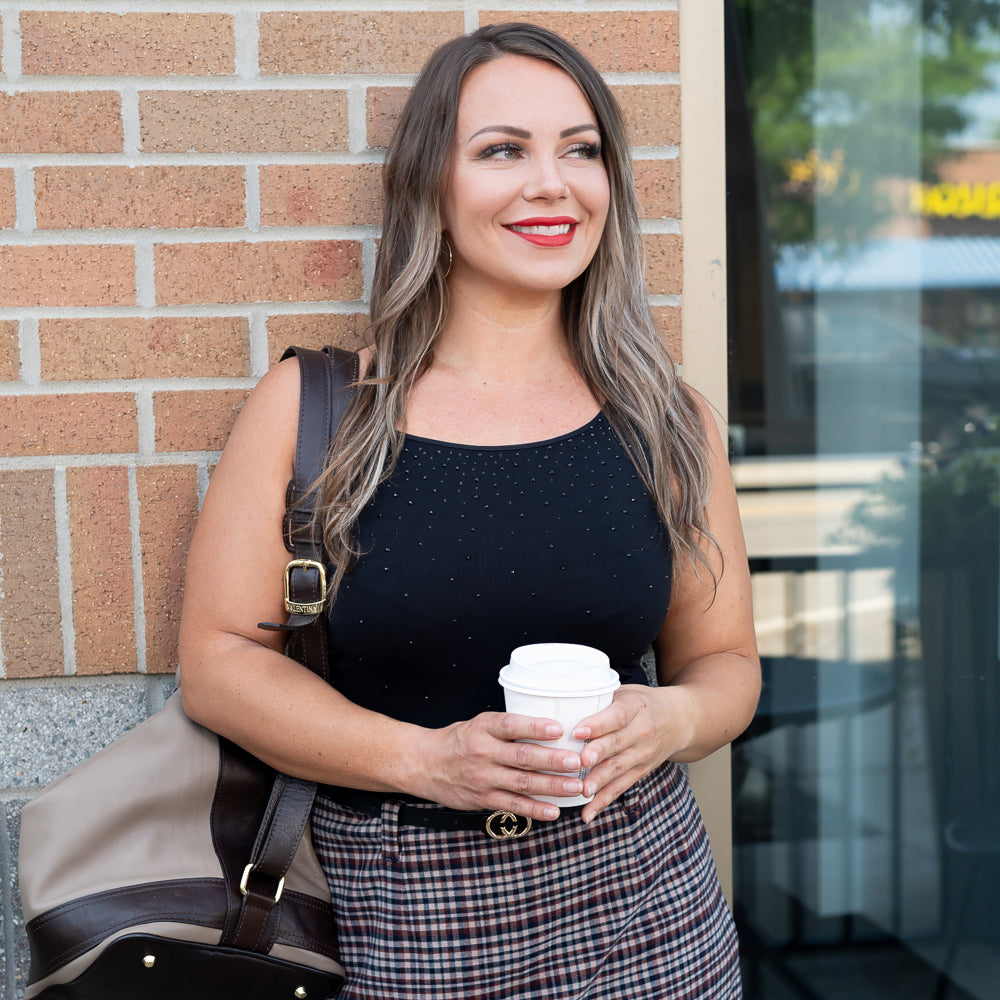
561,230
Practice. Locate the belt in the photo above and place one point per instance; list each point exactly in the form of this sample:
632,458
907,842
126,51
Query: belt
499,825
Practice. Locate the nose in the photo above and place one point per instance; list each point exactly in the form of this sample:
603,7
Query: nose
546,181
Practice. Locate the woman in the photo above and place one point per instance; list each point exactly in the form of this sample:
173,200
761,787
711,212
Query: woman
519,464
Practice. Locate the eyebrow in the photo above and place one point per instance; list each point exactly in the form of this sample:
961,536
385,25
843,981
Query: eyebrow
520,133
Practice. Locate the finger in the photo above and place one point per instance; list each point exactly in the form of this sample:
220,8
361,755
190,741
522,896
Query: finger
602,749
610,770
533,785
530,808
616,716
532,757
603,797
525,804
510,726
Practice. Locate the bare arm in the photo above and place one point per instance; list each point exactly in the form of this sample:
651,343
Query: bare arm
237,681
706,656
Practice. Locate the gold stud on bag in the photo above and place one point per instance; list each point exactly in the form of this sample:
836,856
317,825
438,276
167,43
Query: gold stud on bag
173,863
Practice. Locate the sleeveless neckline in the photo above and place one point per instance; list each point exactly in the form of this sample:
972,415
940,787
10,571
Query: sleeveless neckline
418,439
471,551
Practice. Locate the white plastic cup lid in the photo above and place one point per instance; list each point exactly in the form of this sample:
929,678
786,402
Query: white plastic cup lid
559,668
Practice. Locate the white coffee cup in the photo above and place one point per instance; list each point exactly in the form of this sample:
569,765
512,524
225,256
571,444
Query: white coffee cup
561,681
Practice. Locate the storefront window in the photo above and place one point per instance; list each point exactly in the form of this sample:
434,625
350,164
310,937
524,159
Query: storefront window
863,148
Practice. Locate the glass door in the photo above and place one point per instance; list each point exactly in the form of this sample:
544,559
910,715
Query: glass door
863,162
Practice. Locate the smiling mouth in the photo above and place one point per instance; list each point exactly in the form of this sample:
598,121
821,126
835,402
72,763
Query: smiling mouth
562,229
547,235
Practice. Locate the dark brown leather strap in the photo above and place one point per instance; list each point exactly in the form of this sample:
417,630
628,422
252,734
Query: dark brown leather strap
326,380
65,932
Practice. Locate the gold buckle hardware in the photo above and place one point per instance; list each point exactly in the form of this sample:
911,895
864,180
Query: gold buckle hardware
502,825
246,878
313,607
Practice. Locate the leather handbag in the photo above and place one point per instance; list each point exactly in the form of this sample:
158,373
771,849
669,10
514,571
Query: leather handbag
174,864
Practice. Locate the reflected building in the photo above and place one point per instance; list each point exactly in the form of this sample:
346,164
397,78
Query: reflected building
864,290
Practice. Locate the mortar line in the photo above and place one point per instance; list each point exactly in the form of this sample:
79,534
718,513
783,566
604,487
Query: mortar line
24,199
259,353
139,596
64,549
30,351
10,23
247,39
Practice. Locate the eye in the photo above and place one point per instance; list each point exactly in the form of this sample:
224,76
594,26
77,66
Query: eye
501,151
585,150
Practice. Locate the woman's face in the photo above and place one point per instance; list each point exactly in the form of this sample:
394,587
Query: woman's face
527,194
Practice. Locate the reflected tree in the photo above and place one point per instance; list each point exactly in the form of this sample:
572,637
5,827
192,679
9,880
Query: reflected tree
881,98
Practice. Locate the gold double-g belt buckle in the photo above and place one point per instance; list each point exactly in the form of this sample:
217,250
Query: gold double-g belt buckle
502,825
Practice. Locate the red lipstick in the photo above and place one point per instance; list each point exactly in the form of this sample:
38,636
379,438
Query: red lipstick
548,231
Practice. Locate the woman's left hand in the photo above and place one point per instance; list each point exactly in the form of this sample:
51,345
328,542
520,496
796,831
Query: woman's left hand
627,740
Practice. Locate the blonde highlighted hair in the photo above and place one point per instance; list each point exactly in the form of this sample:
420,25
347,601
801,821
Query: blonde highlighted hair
606,316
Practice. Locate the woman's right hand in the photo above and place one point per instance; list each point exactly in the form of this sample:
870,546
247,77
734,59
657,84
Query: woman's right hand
479,764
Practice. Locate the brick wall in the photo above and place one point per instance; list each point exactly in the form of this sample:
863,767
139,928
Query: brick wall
182,194
185,189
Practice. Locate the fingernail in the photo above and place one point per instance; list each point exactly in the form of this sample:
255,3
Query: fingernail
552,813
573,786
581,733
572,763
553,730
589,789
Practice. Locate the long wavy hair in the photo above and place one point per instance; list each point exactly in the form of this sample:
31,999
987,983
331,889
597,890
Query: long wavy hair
606,316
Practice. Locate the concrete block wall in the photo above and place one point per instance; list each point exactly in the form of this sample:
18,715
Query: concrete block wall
185,189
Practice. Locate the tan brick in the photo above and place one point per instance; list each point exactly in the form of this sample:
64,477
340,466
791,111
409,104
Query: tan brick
258,272
658,184
664,264
61,122
10,354
351,42
652,113
161,347
168,509
30,613
321,195
8,205
383,106
100,44
196,419
67,276
101,543
139,197
668,319
68,424
272,121
314,330
614,41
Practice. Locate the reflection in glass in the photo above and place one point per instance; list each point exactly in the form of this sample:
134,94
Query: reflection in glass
864,260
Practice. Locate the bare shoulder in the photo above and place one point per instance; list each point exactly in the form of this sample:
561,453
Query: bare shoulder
237,554
265,430
712,423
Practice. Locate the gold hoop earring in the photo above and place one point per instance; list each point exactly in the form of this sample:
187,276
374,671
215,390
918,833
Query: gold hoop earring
451,257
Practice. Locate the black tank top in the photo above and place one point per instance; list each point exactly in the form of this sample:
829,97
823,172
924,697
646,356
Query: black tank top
471,551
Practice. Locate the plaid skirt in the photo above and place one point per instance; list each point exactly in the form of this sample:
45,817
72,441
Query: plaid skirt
626,907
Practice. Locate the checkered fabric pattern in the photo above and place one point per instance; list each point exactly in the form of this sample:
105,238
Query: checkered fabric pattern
626,907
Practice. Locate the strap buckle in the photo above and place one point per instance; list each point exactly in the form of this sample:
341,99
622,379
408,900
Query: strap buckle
246,878
310,607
